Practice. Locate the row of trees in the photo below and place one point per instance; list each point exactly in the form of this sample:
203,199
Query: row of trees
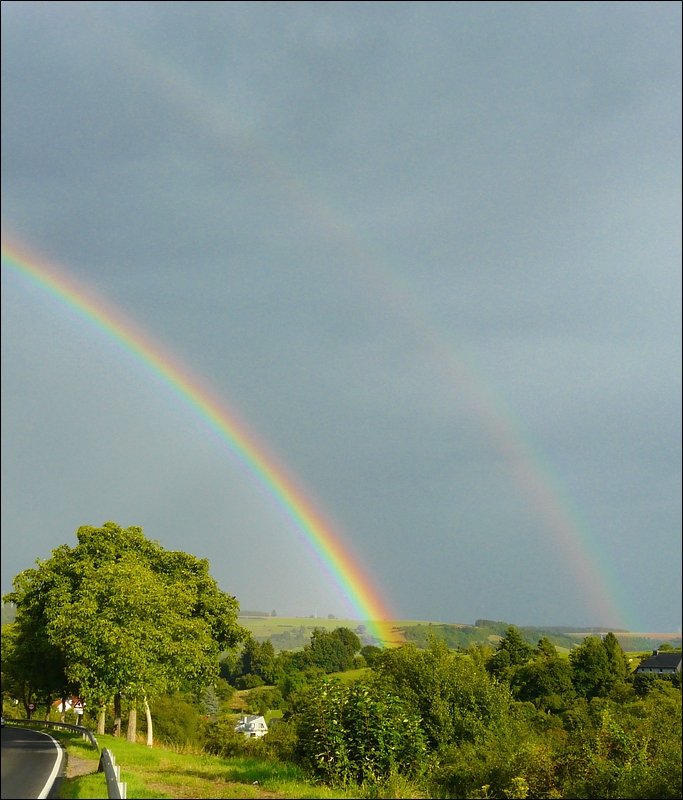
117,616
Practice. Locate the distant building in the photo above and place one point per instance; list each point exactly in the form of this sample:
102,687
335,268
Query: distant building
252,726
71,703
665,662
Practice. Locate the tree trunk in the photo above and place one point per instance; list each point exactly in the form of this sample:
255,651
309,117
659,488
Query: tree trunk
101,719
132,724
148,717
62,713
117,714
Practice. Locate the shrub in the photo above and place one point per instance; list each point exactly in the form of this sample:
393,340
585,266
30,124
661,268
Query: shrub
264,699
176,720
511,764
281,741
249,681
356,733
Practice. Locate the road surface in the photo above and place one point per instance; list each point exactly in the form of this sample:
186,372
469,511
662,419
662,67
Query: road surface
31,761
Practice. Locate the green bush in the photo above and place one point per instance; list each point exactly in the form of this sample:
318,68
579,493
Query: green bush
249,681
263,699
506,764
176,720
281,741
631,751
455,698
356,733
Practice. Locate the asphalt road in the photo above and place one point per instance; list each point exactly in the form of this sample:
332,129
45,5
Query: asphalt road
31,761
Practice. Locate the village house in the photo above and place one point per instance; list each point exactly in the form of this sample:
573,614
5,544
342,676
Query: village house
71,703
661,662
252,726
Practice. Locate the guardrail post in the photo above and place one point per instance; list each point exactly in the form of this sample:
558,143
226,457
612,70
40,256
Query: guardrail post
116,789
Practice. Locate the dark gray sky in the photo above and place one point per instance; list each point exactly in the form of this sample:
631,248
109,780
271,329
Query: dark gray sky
429,252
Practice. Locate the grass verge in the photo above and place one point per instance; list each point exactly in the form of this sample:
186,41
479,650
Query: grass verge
158,772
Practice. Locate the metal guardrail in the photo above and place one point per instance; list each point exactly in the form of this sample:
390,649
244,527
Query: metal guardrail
86,733
116,789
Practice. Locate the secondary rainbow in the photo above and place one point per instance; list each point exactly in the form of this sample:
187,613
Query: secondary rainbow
327,544
593,568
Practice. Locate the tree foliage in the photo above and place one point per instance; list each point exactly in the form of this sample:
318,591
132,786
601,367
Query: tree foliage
332,651
125,616
546,680
33,670
512,651
631,750
598,666
456,698
257,658
356,733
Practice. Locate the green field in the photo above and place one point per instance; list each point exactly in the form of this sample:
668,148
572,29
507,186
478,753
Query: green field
292,633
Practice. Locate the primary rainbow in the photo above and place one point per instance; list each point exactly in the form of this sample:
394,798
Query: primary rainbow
327,544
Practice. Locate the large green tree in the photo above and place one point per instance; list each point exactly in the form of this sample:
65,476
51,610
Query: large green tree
512,651
333,651
257,659
598,666
546,680
127,616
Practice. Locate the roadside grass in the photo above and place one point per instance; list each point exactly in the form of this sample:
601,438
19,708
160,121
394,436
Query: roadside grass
159,772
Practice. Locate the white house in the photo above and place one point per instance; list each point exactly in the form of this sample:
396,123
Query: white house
252,726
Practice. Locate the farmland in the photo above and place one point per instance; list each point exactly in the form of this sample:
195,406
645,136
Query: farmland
292,633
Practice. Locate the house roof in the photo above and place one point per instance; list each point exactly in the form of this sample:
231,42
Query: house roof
71,701
251,722
668,660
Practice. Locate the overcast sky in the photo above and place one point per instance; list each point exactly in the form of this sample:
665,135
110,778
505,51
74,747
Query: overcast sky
429,252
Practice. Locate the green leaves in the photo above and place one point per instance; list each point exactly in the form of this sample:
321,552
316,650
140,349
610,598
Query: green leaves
124,615
456,698
356,733
333,651
598,666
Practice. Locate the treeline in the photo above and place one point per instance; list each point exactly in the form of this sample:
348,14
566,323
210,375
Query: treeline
125,624
517,721
484,630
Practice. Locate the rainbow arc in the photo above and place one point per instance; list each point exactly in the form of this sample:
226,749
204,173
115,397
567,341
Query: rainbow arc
324,540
